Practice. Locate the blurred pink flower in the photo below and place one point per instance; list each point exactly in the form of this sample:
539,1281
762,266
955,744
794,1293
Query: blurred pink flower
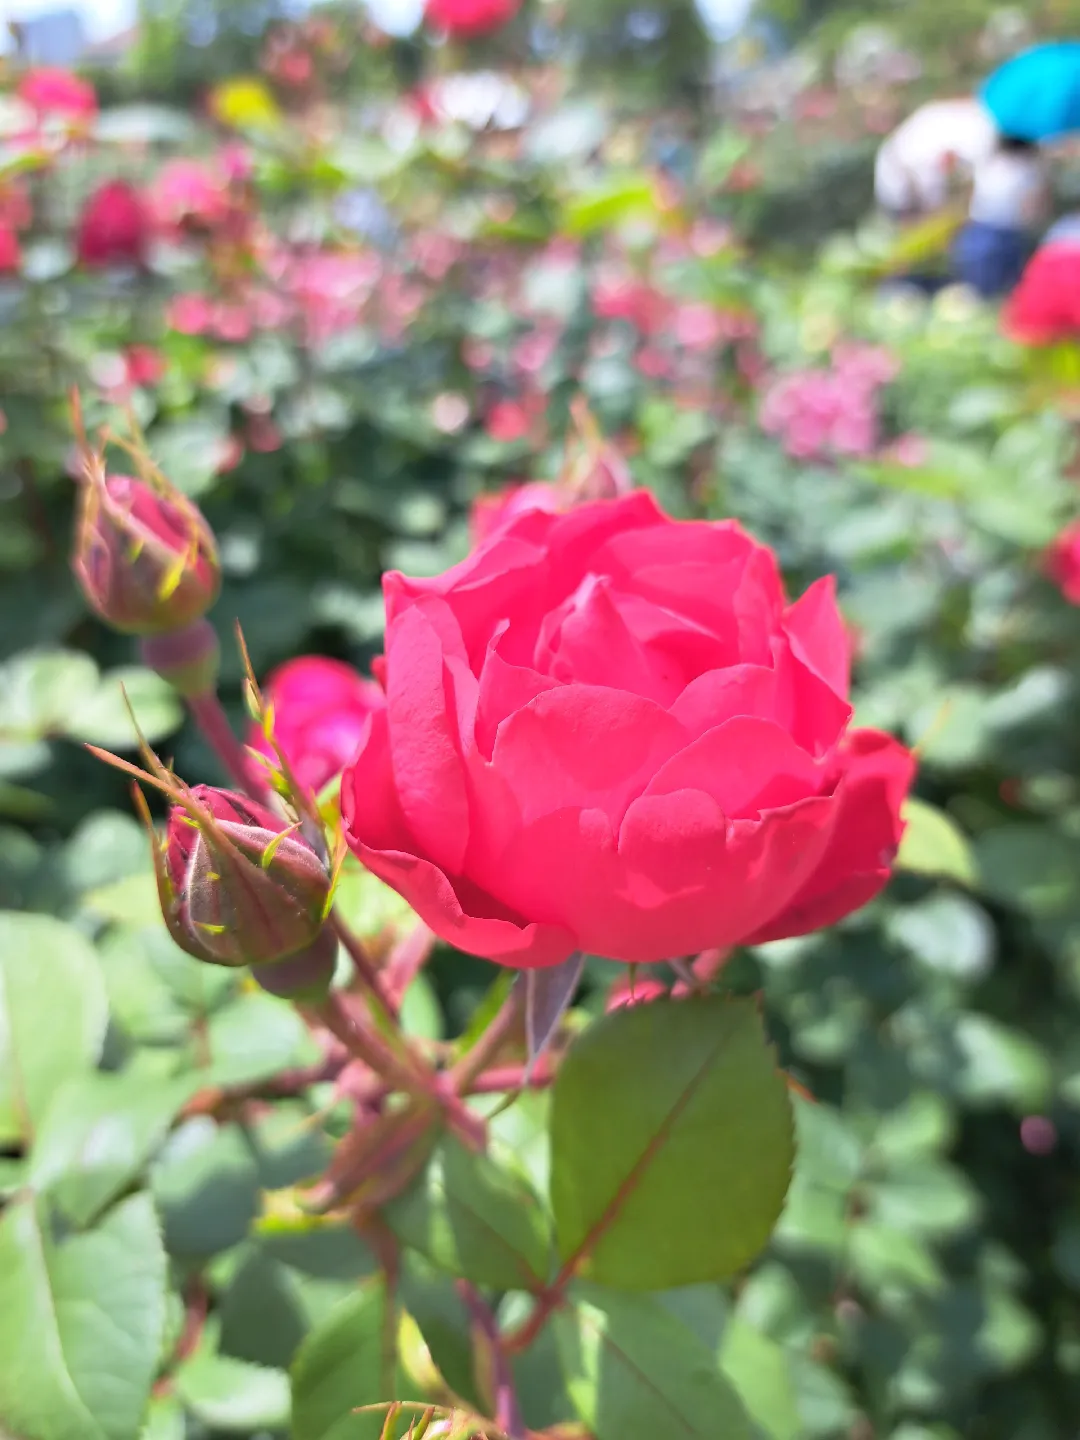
52,92
508,421
186,194
190,314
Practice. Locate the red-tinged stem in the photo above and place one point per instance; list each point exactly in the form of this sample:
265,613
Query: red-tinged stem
488,1045
503,1078
411,1076
206,711
508,1416
547,1302
358,954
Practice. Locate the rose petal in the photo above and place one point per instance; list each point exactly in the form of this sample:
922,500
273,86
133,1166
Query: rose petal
747,765
585,747
857,864
818,637
425,737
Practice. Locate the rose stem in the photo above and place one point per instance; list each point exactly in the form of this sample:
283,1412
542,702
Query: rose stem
476,1060
512,1077
209,716
508,1415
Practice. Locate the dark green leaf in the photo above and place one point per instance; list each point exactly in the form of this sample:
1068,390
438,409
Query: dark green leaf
672,1143
474,1219
206,1184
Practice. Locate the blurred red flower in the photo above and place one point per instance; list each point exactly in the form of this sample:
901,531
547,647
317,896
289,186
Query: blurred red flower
1045,306
320,709
10,254
462,19
1062,562
114,227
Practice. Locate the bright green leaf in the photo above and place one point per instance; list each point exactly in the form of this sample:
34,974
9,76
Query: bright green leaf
81,1323
53,1013
933,846
233,1396
97,1135
672,1143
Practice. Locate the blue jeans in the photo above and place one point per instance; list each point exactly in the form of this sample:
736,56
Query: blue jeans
989,258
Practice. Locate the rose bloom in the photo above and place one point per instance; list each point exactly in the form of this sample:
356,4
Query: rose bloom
463,19
489,512
1062,563
1045,306
114,227
607,731
320,709
186,193
55,92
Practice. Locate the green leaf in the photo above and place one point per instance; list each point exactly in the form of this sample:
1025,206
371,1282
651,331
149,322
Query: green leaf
102,716
672,1144
444,1323
81,1323
165,1420
342,1365
206,1184
475,1220
933,845
233,1396
761,1375
53,1014
634,1372
98,1134
254,1038
1029,866
262,1317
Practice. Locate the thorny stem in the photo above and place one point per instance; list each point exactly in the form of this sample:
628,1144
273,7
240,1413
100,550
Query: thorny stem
476,1060
206,711
507,1415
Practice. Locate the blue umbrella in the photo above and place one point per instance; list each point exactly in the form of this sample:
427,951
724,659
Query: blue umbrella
1036,95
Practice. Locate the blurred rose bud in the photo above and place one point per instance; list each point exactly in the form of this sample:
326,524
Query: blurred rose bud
114,227
641,990
238,886
144,555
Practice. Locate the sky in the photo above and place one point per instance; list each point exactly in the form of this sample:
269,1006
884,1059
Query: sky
105,18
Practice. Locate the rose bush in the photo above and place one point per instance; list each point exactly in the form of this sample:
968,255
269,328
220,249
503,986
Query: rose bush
607,731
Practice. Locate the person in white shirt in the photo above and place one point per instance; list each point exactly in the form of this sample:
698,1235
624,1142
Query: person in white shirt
937,144
1010,203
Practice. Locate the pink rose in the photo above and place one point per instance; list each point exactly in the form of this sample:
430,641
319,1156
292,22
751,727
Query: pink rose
606,730
490,512
54,92
320,709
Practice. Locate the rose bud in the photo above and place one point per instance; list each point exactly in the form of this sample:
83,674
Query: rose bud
144,555
237,884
